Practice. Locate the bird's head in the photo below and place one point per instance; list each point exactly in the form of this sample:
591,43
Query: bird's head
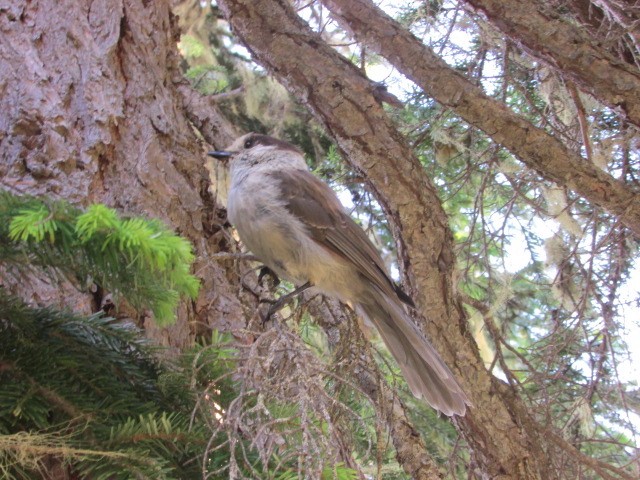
255,149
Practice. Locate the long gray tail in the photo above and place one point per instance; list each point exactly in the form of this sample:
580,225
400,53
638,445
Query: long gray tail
427,375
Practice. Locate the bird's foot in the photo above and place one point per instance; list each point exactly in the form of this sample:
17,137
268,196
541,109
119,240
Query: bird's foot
282,301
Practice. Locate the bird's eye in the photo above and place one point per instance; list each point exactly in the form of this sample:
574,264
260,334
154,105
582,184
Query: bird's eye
248,143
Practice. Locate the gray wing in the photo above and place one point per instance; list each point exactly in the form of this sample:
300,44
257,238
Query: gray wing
317,206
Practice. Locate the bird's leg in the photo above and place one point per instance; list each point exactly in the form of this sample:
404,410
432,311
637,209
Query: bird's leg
278,304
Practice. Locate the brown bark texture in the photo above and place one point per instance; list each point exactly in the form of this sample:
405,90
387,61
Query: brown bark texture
603,20
504,440
92,110
569,49
539,150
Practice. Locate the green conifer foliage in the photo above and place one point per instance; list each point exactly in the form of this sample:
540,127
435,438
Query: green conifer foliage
85,391
88,396
137,258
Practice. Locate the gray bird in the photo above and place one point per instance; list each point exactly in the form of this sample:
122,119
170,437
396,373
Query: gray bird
295,224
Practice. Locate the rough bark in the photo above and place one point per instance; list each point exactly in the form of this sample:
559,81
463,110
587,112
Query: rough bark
533,146
623,17
569,49
602,24
91,110
504,442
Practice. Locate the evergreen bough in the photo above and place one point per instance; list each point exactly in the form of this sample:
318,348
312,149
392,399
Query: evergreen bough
137,258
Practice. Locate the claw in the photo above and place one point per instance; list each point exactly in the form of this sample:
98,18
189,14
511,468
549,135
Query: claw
282,301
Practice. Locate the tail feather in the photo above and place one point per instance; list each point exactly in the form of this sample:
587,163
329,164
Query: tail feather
426,373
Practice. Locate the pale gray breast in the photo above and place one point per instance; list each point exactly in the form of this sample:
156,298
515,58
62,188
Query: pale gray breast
265,226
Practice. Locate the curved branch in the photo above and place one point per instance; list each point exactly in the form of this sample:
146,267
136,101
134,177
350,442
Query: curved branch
533,146
568,49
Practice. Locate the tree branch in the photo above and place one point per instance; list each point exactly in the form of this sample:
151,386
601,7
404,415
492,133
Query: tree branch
553,41
537,149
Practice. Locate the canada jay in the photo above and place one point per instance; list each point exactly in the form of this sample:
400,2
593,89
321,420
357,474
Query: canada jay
295,224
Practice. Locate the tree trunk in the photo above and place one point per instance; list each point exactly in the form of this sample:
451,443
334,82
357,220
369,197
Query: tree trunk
92,111
536,148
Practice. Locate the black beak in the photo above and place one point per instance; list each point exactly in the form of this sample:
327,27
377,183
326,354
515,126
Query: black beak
220,155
